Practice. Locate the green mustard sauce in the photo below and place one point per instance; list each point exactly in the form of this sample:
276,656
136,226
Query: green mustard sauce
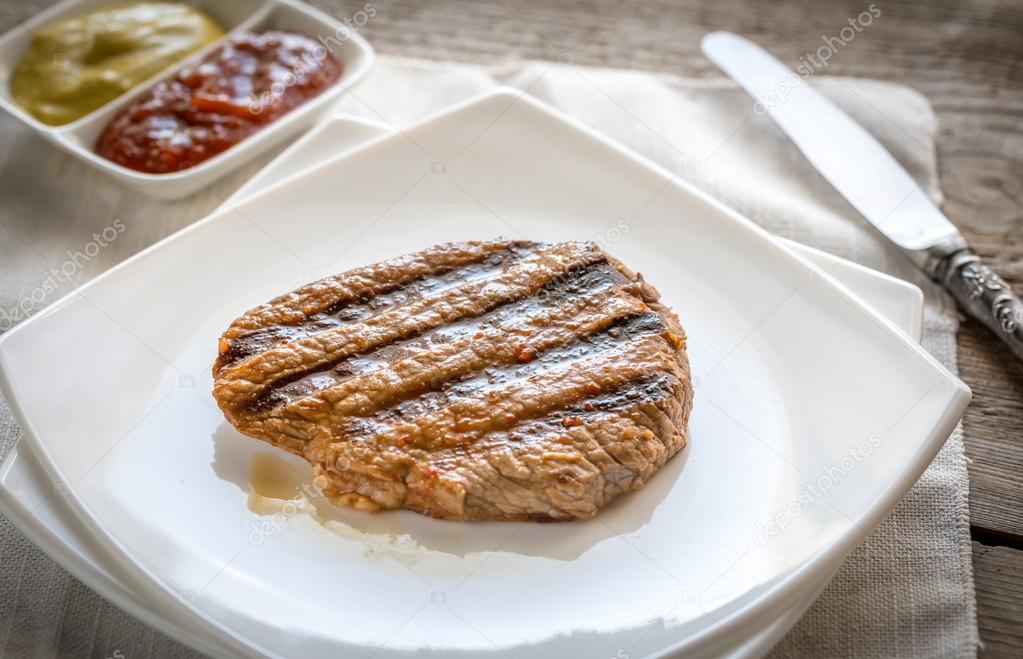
78,65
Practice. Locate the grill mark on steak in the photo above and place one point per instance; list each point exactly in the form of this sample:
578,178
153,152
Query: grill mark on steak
619,400
468,381
505,318
612,453
371,301
425,370
367,306
464,419
481,382
292,361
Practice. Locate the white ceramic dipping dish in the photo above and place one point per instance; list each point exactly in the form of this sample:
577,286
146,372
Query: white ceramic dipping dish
79,136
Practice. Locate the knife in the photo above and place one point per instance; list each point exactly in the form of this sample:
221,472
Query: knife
870,179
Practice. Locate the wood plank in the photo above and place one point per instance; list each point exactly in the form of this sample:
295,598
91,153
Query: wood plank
994,428
998,573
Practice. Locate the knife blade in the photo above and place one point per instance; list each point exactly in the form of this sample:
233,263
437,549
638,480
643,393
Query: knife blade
872,181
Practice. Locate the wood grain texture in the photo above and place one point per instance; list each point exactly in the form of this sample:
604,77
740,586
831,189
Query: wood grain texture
967,58
998,573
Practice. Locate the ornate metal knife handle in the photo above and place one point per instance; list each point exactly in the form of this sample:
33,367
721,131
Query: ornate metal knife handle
984,295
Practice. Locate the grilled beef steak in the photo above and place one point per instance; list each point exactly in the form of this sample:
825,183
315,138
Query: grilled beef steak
479,380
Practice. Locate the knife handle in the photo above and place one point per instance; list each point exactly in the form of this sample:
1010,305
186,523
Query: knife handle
984,295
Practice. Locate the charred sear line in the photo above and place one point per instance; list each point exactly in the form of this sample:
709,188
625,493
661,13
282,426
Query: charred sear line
585,278
367,305
637,392
476,385
262,340
255,342
652,390
579,279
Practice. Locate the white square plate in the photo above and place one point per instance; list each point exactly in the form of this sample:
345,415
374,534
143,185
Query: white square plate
28,498
799,386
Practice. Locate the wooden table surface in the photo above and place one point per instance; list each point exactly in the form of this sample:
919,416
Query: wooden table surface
966,57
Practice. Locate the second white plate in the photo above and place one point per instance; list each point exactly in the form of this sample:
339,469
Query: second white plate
795,377
30,500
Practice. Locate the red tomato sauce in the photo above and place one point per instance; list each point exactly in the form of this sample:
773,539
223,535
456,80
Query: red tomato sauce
208,107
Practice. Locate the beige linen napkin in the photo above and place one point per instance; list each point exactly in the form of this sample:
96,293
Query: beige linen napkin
907,591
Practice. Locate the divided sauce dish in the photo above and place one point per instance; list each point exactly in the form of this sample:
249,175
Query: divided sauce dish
79,137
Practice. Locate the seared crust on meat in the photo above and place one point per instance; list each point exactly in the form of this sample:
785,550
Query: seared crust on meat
478,380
